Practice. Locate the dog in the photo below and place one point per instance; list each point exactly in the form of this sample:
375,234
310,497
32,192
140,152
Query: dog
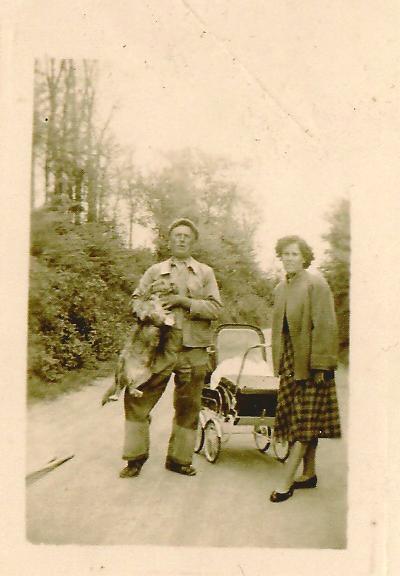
136,358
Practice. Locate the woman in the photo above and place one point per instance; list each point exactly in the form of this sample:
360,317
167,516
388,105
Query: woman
304,350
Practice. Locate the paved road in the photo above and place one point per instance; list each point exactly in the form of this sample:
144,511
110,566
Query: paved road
226,504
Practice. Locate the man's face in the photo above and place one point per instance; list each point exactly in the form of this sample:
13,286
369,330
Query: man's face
181,242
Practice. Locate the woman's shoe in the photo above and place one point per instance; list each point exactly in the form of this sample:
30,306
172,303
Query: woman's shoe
281,496
309,483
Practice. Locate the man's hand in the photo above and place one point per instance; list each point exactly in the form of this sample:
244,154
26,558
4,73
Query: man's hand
109,394
175,300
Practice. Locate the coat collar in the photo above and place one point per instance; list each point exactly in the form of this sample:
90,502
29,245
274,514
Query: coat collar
294,277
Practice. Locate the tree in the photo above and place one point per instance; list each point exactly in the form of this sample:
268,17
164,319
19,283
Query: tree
85,188
336,267
71,144
200,187
81,274
81,280
130,196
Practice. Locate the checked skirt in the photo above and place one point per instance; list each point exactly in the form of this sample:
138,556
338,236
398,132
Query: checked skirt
305,410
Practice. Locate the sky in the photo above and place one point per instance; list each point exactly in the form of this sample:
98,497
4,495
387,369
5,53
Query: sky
193,78
280,87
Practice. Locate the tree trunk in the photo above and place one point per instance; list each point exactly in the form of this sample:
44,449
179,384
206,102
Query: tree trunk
52,162
33,167
89,95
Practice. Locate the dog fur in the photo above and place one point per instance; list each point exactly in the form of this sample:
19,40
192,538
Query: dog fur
136,358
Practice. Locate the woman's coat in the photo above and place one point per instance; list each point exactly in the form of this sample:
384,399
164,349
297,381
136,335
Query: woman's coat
308,304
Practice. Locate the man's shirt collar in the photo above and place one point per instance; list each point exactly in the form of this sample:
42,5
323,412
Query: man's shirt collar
190,263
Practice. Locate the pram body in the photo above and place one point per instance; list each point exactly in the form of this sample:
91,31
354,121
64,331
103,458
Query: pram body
241,395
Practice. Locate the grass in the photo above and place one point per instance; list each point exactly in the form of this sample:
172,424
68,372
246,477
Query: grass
39,390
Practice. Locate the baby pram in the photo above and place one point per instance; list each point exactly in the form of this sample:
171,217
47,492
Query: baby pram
241,395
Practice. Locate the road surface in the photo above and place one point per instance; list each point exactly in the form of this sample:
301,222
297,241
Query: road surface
83,501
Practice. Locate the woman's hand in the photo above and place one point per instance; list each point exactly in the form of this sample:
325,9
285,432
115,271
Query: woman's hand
319,376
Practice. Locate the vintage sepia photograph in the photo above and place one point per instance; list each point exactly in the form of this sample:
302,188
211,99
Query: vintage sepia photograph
191,378
171,281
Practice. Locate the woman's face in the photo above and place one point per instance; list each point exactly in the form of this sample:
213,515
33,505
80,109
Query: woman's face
292,258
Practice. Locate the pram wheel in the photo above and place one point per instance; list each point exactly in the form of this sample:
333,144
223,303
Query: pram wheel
212,442
199,438
281,449
262,437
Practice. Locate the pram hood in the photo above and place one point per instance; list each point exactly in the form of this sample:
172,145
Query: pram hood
233,344
254,374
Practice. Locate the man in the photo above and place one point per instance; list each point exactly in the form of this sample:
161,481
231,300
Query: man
184,354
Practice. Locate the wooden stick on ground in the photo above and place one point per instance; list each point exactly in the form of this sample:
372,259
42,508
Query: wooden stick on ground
37,474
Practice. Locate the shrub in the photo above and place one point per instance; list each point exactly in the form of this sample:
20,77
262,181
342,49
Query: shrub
81,278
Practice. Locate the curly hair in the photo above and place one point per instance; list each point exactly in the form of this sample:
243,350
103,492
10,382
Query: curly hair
304,248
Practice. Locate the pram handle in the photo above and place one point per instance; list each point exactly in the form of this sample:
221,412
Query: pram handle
265,346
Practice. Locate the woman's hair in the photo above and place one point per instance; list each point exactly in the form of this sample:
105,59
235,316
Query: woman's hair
304,248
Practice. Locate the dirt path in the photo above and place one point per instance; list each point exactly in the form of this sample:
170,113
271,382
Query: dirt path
85,502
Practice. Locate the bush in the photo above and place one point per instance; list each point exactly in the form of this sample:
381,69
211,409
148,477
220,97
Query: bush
81,278
336,268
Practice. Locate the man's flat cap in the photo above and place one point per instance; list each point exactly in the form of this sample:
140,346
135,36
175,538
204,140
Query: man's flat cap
184,222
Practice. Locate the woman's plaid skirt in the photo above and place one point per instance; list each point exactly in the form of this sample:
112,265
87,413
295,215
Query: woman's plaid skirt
305,410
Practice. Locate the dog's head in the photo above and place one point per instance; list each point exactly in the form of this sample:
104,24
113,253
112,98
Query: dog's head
162,287
152,311
149,308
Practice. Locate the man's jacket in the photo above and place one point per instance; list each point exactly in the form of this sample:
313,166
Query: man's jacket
201,288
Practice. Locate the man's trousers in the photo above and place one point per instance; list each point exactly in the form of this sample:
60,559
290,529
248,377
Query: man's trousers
189,367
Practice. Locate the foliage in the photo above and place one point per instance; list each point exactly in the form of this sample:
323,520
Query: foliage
201,187
87,197
336,267
81,279
70,154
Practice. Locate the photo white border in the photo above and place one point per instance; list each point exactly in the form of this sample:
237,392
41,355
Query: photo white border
374,324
